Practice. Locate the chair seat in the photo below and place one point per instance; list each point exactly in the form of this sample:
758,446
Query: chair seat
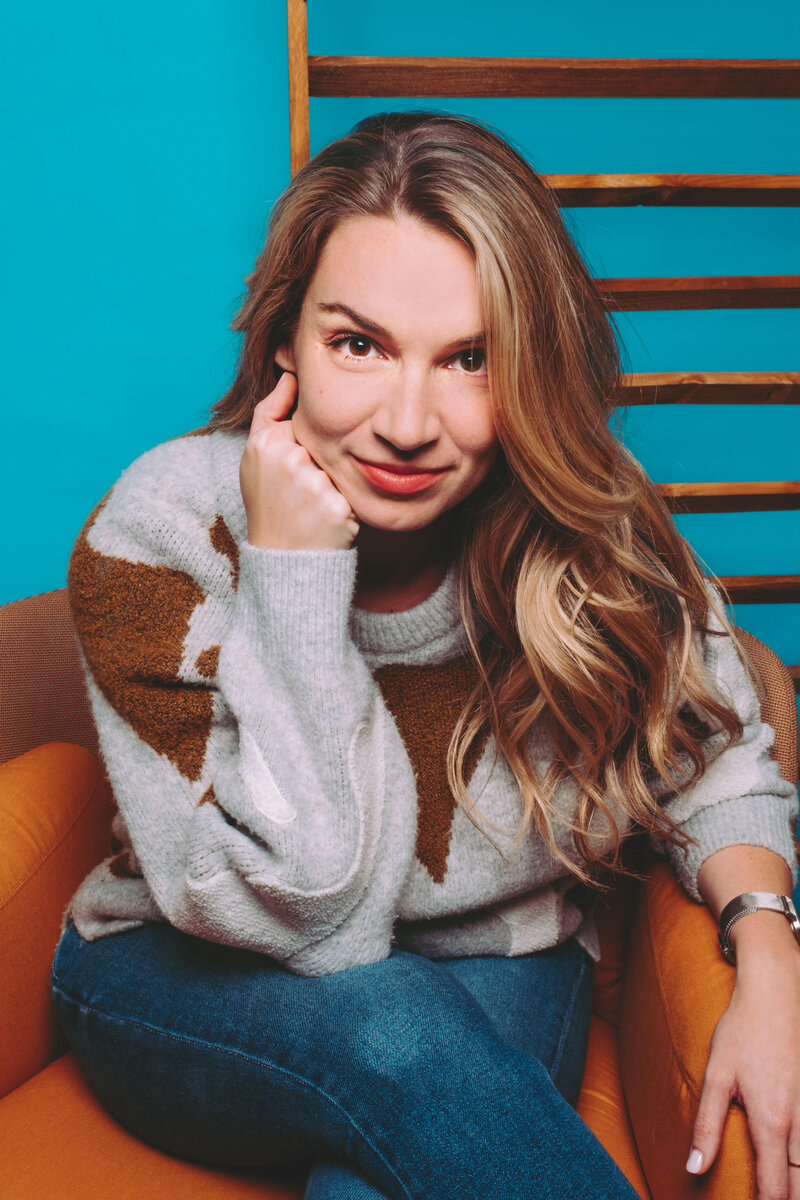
602,1103
58,1141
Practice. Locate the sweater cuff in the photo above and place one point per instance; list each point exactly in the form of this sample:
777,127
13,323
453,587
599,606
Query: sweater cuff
298,598
743,821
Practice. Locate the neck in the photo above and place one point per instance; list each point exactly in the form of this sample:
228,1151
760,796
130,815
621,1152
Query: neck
397,571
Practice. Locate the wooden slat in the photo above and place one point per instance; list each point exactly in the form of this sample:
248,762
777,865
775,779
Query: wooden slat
589,191
768,496
762,589
578,77
299,130
743,291
711,387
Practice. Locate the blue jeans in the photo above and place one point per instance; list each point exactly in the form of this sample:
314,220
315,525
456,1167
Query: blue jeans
448,1079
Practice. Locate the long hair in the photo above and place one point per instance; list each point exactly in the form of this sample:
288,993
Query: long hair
585,609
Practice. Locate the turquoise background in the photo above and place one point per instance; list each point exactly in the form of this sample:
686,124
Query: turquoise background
145,145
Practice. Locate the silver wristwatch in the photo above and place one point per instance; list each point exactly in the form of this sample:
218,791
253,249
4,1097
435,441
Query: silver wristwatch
750,902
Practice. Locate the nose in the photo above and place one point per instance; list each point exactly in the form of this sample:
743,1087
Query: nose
406,416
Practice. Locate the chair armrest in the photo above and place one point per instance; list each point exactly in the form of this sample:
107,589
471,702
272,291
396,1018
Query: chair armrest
677,986
55,812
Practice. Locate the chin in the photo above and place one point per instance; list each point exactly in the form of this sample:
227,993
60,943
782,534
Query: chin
405,520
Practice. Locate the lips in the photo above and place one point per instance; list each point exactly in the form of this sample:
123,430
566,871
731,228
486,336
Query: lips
399,469
397,479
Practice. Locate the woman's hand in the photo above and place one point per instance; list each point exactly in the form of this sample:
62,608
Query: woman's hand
755,1060
291,503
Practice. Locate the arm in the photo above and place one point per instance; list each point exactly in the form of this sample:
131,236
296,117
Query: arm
245,739
755,1051
742,799
743,814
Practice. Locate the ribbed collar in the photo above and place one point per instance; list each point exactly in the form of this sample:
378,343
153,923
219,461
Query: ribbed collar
430,632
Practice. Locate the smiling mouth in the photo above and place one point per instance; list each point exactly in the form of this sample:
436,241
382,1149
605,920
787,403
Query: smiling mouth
398,479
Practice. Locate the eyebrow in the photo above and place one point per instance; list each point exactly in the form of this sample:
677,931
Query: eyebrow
475,339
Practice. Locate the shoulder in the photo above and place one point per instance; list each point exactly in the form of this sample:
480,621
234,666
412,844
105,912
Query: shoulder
177,507
187,472
725,661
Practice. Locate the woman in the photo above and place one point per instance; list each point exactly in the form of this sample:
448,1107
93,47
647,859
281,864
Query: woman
386,663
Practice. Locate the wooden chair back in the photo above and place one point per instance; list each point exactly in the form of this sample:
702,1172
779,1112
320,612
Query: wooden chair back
323,75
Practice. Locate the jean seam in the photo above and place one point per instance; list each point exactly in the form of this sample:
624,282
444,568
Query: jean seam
181,1037
562,1041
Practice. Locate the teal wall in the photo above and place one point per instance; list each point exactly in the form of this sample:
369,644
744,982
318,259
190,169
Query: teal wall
147,143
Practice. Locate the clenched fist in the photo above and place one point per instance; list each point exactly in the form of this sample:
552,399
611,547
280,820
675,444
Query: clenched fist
291,503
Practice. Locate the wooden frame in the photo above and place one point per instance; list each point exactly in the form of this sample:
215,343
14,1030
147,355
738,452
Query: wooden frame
554,77
626,78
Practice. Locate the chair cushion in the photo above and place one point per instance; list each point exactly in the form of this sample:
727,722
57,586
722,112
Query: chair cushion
602,1103
60,1144
677,986
55,812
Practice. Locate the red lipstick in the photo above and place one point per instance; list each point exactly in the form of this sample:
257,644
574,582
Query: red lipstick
398,480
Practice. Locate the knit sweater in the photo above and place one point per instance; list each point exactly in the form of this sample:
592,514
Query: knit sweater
278,755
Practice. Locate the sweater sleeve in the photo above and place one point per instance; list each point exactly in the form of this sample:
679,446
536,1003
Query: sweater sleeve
247,743
742,798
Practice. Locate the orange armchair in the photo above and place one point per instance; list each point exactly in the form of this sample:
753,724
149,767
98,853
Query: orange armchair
660,988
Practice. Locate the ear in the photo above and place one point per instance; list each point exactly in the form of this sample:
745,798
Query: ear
284,358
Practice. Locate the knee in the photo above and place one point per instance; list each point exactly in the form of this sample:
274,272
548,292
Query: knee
409,1021
340,1181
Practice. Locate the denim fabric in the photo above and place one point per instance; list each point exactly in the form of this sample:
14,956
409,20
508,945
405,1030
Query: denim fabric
448,1079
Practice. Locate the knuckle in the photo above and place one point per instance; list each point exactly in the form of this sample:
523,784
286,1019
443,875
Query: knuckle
776,1124
717,1086
258,440
775,1119
717,1077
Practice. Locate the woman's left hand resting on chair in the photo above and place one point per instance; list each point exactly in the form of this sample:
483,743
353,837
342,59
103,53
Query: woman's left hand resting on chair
755,1050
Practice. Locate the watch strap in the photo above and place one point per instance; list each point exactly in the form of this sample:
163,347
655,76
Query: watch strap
750,902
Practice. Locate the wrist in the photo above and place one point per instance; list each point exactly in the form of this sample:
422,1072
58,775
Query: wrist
764,936
748,904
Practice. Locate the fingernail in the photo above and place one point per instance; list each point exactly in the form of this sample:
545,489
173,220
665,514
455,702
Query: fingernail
695,1162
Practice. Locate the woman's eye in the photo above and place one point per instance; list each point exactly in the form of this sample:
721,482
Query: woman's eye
356,345
472,362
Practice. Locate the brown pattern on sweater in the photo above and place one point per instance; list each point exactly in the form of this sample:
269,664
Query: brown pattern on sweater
207,662
132,620
224,543
426,702
122,868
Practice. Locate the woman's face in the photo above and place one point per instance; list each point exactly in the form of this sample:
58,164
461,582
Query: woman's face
393,396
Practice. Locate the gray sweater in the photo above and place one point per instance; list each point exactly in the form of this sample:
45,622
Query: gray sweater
277,755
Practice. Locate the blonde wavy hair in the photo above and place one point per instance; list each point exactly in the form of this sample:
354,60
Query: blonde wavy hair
586,611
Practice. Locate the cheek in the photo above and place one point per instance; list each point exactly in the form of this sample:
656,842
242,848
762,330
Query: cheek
322,412
476,435
329,405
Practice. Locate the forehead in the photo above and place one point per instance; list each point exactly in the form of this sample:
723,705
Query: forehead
401,273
